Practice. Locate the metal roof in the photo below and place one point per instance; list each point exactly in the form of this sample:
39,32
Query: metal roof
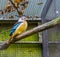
33,9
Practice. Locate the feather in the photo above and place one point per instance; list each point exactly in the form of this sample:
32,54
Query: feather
15,27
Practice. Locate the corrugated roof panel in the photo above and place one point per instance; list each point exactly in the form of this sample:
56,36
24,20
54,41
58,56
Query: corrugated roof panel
54,10
3,4
32,9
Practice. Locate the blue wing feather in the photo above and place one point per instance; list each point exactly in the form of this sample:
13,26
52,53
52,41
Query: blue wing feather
14,28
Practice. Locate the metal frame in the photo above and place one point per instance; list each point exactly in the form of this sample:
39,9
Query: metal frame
45,33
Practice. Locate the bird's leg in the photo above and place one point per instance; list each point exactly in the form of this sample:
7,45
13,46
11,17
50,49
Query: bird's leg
11,40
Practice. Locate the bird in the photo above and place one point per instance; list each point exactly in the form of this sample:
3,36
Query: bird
19,27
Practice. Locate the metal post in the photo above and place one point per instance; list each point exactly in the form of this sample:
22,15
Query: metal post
45,33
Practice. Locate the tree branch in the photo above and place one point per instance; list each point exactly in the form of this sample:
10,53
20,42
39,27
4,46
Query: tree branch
39,28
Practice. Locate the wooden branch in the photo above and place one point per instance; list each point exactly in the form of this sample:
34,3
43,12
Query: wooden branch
39,28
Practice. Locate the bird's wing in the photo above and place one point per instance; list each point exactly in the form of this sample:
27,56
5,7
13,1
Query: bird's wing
14,28
20,29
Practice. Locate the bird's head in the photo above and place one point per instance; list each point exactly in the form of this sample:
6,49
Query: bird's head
21,19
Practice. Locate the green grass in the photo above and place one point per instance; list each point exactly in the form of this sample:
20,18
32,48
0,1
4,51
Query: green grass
22,50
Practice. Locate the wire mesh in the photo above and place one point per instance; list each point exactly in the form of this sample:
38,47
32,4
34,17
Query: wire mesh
54,33
54,50
4,32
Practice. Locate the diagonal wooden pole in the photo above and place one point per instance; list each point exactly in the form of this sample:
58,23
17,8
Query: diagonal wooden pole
39,28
